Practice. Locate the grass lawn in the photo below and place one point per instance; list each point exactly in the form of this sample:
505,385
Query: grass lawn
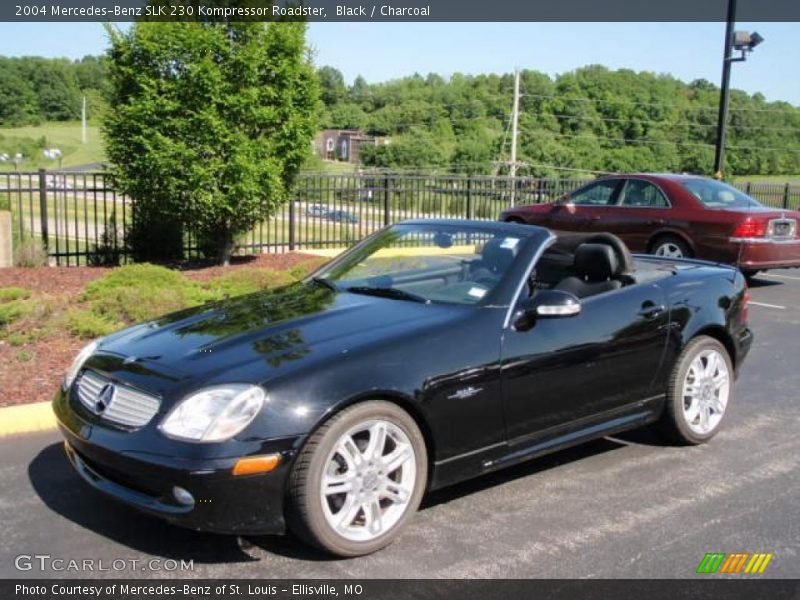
791,179
65,136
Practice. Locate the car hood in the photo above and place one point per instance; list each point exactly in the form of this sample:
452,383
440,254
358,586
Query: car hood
254,338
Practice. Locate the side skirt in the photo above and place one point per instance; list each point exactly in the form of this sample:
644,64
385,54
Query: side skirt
497,456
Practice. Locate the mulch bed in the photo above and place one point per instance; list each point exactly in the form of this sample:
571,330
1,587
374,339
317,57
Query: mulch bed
38,378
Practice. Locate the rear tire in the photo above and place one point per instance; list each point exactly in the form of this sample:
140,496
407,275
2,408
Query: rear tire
670,246
358,480
699,392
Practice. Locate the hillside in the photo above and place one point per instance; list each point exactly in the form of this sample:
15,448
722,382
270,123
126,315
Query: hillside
66,136
592,118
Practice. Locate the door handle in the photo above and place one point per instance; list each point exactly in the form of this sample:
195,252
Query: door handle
651,311
656,222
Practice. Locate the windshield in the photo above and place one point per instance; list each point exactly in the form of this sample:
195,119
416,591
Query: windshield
715,194
421,263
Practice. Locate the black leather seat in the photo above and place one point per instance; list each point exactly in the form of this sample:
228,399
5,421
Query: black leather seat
496,256
597,270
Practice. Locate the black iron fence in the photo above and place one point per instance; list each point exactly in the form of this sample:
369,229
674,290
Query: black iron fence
78,218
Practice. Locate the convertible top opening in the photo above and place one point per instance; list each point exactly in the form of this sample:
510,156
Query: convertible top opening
587,264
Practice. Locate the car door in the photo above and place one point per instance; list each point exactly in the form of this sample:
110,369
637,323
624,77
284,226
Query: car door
641,209
593,365
586,204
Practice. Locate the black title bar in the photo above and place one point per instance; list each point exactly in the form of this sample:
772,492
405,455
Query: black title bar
397,10
379,589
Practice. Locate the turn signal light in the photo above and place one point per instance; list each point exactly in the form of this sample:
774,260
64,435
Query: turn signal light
750,228
256,464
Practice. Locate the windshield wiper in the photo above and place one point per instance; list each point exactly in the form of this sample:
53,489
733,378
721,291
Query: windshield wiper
387,292
325,283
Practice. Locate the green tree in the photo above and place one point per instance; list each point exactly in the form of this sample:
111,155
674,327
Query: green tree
332,87
210,124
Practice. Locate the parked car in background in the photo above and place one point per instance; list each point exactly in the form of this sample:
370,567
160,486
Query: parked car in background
341,216
316,210
430,353
676,216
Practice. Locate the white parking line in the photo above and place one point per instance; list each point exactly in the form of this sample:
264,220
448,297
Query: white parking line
781,276
766,305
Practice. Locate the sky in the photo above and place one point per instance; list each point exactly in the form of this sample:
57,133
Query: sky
382,51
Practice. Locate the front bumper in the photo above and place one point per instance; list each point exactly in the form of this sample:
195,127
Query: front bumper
220,502
754,254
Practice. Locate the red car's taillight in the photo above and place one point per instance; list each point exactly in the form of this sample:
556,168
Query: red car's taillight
750,228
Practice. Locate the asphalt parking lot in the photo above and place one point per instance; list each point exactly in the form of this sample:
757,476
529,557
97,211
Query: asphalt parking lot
622,507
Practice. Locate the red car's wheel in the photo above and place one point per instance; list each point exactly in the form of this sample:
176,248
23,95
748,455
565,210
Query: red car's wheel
670,246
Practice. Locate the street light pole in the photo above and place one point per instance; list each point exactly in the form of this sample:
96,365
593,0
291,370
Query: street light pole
719,155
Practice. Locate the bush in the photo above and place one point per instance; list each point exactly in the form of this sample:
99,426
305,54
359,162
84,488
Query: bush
246,281
140,292
85,324
24,355
29,253
11,311
13,293
107,251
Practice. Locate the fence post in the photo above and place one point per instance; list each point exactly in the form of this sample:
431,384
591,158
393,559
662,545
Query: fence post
786,196
747,188
292,222
387,182
43,225
470,205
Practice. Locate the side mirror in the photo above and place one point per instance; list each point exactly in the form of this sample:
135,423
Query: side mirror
546,304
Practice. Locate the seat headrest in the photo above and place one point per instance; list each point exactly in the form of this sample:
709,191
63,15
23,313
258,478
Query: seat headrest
596,262
497,255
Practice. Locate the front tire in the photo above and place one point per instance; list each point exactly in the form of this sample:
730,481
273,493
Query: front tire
358,480
699,392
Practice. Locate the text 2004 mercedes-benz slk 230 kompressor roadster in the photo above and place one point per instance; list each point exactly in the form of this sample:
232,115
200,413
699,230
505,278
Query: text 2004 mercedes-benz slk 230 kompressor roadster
431,352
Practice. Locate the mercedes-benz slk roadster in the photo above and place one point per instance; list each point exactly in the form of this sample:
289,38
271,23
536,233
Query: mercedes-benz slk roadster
429,353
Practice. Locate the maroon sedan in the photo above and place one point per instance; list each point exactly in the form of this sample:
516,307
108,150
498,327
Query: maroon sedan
677,216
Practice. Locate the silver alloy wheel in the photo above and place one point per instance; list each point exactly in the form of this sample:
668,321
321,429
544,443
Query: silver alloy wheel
706,388
669,249
368,480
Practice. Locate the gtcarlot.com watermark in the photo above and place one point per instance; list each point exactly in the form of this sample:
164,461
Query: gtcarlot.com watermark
50,563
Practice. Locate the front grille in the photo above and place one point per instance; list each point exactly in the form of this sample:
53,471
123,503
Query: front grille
782,228
116,403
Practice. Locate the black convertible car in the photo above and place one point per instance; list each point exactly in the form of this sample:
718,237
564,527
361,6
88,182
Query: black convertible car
431,352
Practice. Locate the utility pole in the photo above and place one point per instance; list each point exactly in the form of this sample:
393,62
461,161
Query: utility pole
514,134
719,155
83,121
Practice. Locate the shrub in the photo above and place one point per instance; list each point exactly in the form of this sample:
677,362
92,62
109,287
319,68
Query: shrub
86,324
107,251
305,267
13,293
140,292
29,253
246,281
25,355
11,311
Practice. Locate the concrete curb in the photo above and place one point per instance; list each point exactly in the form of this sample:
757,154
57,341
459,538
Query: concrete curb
27,418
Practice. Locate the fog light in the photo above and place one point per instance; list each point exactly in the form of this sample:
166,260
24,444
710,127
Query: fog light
182,496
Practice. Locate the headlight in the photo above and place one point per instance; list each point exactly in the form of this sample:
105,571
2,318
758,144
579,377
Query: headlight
83,355
214,414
